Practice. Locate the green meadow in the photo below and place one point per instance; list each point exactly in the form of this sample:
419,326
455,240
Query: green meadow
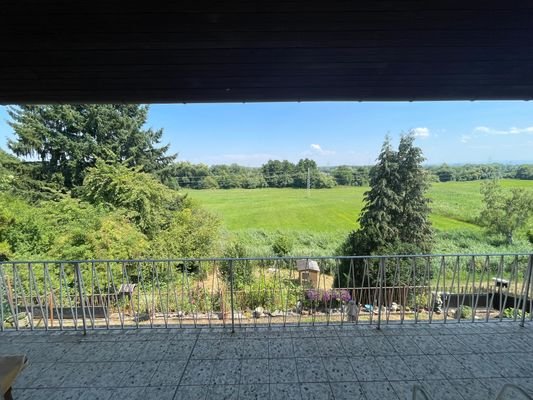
318,220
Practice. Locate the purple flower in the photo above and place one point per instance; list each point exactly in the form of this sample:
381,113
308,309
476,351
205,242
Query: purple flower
312,295
326,297
345,296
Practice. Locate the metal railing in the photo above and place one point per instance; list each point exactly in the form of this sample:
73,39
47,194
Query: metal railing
233,292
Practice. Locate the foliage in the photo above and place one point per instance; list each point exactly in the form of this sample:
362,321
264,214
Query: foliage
66,230
149,204
73,229
68,139
242,270
513,313
282,246
504,213
274,173
22,179
413,222
465,312
269,293
191,233
395,215
284,174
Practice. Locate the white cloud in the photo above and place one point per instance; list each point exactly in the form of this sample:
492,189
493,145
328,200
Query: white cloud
465,138
421,132
317,149
511,131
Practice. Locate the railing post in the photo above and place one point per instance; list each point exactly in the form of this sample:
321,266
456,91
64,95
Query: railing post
526,291
380,294
231,294
80,290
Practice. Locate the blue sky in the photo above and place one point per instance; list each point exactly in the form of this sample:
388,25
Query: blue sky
334,133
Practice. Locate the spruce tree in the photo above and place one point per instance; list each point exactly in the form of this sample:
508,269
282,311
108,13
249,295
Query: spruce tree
395,216
68,139
414,227
382,202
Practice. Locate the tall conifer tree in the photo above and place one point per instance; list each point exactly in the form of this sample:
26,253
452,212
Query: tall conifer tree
395,216
68,139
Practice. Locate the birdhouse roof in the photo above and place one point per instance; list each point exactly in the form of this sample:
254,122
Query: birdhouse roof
307,265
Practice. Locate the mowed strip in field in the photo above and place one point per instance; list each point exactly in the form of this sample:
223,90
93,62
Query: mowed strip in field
455,205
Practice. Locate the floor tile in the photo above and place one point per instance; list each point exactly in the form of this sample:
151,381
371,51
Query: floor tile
315,391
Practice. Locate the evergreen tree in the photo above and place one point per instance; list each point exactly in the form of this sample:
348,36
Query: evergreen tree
67,139
394,219
382,202
412,221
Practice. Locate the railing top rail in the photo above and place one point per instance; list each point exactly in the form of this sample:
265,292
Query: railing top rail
226,259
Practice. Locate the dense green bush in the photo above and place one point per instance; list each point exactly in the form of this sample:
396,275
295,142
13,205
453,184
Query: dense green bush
242,270
282,246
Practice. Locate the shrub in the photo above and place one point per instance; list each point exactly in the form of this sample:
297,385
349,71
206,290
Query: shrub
513,313
466,312
269,294
242,269
282,246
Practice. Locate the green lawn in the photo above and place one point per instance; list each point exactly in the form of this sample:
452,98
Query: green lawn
455,206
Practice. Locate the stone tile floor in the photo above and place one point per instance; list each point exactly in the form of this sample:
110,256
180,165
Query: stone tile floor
453,361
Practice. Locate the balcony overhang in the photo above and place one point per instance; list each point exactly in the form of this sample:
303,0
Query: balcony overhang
243,51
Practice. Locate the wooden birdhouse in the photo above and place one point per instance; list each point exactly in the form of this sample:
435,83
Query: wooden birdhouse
308,272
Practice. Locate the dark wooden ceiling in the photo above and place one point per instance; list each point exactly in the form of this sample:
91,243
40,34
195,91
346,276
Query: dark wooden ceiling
56,51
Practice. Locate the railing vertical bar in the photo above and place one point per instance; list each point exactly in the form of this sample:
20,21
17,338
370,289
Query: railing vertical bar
472,298
80,288
23,296
175,282
445,292
402,295
115,292
2,290
500,287
167,297
231,294
464,292
380,294
31,296
45,315
92,306
416,306
526,291
15,298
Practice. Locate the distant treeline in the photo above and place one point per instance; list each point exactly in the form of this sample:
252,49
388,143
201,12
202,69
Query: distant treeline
284,174
474,172
275,173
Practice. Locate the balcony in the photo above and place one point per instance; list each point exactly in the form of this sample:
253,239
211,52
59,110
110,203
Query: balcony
458,326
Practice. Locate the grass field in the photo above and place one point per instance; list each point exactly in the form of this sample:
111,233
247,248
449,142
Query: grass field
455,206
319,223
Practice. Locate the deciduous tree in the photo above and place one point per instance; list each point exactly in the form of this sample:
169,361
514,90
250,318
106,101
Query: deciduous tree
504,213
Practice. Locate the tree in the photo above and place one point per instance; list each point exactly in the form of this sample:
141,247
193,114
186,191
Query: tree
445,173
344,175
149,204
395,215
413,220
524,172
278,173
505,213
68,139
382,202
